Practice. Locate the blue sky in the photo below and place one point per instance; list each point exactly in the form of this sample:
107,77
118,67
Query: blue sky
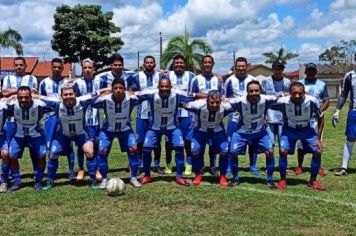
250,27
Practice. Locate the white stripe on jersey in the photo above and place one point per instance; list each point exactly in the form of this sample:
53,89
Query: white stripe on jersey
3,112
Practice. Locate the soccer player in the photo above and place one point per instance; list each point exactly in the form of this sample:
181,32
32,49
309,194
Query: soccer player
250,129
84,86
117,107
236,86
4,147
71,115
50,87
164,107
203,83
28,133
181,79
318,89
298,110
209,129
348,87
144,81
10,85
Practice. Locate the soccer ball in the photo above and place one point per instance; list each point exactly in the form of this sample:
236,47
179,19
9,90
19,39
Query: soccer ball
115,187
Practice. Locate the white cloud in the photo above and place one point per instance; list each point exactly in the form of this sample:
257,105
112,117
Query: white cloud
343,5
316,14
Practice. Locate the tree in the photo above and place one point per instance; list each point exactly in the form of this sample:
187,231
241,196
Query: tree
11,39
85,31
193,51
282,56
341,54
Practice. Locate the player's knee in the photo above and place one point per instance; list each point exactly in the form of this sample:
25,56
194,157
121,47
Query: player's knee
89,155
53,157
283,152
179,149
132,149
234,155
103,151
269,153
317,154
195,154
351,139
223,154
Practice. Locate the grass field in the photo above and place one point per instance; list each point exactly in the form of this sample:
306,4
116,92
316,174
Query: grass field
166,208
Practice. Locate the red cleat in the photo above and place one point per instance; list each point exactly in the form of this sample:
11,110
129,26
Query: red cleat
182,181
322,171
298,171
146,180
316,185
197,180
282,184
223,181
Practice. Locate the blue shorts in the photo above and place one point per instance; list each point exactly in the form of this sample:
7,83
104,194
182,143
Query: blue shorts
10,130
274,131
4,144
218,141
93,131
127,139
37,146
61,144
141,129
260,142
306,135
173,136
186,126
51,123
231,128
350,131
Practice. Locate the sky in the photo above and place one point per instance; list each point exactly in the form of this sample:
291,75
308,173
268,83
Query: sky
248,27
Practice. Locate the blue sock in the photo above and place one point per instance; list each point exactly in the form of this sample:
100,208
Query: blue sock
71,158
80,156
16,177
212,157
179,158
314,166
228,169
253,158
283,163
5,170
134,163
102,160
52,166
39,174
189,159
92,167
33,157
195,164
235,167
270,167
223,160
147,159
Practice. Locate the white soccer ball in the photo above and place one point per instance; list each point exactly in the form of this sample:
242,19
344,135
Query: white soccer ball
115,187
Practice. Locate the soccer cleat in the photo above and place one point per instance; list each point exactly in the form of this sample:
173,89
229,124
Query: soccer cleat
341,172
315,184
14,188
234,182
255,172
80,175
3,188
282,184
298,170
103,183
271,184
182,181
38,187
197,179
223,181
135,182
322,171
93,184
49,186
146,180
168,168
98,176
188,169
71,176
213,171
158,170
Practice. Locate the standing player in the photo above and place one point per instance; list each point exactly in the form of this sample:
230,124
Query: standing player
204,83
348,87
50,87
298,110
181,80
117,107
84,86
4,147
318,89
250,129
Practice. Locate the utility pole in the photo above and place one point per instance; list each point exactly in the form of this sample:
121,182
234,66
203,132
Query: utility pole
160,50
138,60
234,57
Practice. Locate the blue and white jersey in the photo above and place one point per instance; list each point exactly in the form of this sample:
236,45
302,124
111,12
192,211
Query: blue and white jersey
318,89
117,115
105,79
3,114
16,81
181,82
276,88
146,82
207,120
252,115
84,87
27,121
349,86
202,84
297,116
71,119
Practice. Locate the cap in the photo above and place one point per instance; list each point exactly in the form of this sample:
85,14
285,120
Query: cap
310,66
278,64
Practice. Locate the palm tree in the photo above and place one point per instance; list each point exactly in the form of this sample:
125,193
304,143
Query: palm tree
282,56
192,51
11,39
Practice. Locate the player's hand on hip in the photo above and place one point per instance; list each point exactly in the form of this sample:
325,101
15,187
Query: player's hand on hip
319,144
336,117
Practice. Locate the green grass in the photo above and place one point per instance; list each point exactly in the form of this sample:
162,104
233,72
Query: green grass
165,208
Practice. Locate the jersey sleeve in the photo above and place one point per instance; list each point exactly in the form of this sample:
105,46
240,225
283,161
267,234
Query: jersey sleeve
195,87
6,83
87,100
133,83
77,90
42,89
51,102
193,106
228,89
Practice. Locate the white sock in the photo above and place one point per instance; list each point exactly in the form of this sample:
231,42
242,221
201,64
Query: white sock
347,153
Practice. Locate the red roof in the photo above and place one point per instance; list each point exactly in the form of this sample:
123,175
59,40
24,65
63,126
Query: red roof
292,74
7,63
43,69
